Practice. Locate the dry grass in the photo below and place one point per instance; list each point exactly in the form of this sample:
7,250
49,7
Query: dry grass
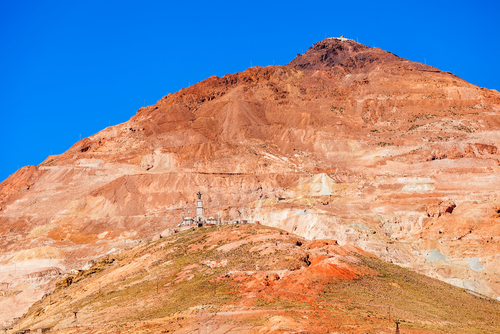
130,298
417,300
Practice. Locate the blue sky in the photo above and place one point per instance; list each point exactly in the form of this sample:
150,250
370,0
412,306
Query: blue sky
71,68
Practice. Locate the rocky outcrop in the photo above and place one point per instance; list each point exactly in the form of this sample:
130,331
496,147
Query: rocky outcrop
43,274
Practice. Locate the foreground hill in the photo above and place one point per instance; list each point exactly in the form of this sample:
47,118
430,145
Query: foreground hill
255,279
346,142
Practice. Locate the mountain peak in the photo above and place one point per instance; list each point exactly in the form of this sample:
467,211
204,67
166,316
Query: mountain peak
344,52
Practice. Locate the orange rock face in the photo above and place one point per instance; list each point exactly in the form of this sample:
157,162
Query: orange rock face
346,142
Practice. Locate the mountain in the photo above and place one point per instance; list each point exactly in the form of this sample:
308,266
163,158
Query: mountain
346,142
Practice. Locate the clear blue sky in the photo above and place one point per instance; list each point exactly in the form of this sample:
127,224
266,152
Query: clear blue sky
74,67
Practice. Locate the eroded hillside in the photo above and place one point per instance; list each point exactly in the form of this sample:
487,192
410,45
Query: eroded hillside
346,142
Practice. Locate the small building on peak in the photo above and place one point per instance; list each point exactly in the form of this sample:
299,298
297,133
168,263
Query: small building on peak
341,38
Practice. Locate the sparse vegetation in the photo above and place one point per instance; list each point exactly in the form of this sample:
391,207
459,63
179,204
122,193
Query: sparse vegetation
169,283
464,128
415,126
413,297
337,109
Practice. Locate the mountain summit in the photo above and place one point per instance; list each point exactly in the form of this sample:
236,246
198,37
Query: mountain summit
346,142
347,55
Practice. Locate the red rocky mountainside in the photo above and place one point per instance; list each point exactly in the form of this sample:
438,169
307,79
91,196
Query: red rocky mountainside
346,142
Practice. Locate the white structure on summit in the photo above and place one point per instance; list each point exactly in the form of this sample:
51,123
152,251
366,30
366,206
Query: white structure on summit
341,38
